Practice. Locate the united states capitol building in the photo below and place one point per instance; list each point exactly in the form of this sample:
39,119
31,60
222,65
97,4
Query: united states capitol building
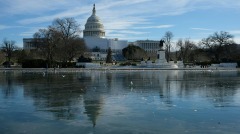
97,43
94,36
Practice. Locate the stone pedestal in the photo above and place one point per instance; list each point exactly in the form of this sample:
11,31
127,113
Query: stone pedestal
180,64
149,63
161,57
143,63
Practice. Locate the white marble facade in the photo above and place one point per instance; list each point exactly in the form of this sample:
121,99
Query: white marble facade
94,37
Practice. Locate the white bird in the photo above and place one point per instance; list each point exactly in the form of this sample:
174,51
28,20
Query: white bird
63,76
131,83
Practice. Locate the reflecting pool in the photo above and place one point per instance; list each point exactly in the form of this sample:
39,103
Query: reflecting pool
120,102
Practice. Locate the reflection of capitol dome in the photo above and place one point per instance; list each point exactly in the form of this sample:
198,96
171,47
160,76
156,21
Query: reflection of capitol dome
94,27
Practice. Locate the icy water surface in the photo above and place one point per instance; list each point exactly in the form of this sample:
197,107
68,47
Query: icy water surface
120,102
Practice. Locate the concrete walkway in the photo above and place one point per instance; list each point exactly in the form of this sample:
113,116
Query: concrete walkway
109,68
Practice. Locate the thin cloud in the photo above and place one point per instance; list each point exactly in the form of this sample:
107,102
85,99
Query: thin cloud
202,29
26,34
154,27
79,11
50,18
132,32
2,27
117,10
30,32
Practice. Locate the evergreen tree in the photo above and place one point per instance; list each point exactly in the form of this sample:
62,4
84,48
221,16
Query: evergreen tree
133,52
109,56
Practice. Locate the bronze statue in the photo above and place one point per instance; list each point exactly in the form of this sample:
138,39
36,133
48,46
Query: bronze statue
149,58
161,43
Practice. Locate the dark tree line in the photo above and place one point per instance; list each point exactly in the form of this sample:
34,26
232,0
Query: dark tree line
216,48
220,46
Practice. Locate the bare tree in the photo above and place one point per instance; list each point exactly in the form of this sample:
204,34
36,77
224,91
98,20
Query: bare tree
70,43
180,45
215,44
8,46
46,41
61,41
186,50
168,41
222,38
75,48
68,28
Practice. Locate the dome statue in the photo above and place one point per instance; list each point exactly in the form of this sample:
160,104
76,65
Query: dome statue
94,27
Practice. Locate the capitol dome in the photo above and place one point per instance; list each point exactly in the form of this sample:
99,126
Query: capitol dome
94,27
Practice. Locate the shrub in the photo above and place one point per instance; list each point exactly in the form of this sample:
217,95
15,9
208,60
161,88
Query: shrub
34,63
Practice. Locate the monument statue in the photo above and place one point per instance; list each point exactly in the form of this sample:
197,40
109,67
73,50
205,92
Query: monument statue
161,44
149,58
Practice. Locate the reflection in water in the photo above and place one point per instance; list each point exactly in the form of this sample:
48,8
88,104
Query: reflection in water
87,93
7,85
218,87
92,109
97,84
54,93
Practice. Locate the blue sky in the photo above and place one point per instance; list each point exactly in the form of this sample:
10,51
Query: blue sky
124,19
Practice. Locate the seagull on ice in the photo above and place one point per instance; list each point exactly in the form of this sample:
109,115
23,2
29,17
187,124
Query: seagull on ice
131,83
